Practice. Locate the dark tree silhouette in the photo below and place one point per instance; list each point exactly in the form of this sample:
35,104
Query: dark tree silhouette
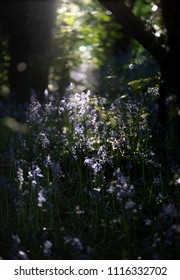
164,49
27,26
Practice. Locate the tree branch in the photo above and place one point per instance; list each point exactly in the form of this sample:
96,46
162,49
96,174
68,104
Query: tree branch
135,27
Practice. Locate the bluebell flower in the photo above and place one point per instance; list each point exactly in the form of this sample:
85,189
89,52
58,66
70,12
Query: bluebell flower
20,176
79,129
41,198
43,138
34,174
95,166
47,161
75,243
47,247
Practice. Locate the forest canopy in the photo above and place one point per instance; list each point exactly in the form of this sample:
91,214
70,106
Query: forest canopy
86,38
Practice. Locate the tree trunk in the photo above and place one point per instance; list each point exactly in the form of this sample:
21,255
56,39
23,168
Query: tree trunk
170,85
28,27
165,53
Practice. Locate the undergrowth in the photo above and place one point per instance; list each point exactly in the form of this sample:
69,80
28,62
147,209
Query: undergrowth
85,179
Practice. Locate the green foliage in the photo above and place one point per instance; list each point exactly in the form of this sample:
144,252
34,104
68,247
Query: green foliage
84,35
86,42
139,86
150,13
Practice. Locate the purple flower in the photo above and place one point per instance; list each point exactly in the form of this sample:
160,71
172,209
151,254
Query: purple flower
20,176
74,242
47,247
79,129
47,161
41,198
43,138
34,174
96,166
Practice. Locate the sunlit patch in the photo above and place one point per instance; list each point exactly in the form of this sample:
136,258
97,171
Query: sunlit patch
21,66
50,87
154,7
158,31
14,125
4,91
157,34
61,10
131,66
109,13
82,48
77,76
